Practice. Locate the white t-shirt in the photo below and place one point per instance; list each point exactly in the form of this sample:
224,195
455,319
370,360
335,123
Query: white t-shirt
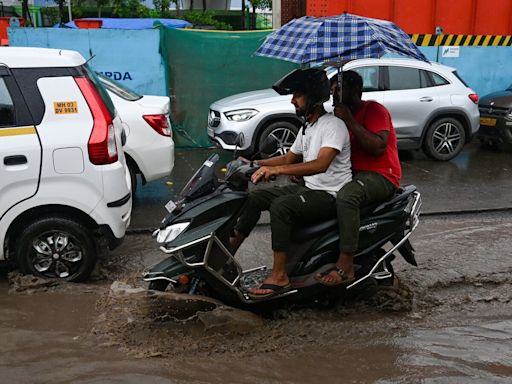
327,131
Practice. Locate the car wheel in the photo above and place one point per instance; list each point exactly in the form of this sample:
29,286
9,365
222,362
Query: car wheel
283,132
57,247
133,178
444,139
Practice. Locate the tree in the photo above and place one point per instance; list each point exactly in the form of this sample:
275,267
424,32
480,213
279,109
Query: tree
258,4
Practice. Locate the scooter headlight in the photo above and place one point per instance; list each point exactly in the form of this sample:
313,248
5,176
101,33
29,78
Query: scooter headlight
170,233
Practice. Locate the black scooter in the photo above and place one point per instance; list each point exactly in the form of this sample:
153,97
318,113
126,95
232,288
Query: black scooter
196,233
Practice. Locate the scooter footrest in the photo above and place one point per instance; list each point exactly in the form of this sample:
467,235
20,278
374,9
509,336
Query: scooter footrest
382,275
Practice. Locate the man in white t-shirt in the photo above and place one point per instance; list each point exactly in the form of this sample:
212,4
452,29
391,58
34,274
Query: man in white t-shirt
320,154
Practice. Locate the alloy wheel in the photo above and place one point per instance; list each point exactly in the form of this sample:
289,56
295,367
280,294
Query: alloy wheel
446,138
56,254
284,138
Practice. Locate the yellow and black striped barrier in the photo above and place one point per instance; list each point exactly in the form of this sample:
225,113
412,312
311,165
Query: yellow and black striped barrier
462,40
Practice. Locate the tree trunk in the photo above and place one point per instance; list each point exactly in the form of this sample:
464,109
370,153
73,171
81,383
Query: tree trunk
191,4
204,5
253,18
243,15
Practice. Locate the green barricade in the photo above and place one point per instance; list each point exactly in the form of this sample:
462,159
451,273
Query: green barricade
204,66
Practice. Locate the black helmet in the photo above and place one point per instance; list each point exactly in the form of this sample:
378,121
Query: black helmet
311,82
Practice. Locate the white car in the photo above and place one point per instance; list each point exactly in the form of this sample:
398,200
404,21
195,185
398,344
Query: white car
63,179
149,147
431,107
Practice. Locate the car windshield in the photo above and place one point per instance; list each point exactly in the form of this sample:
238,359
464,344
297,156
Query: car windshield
118,89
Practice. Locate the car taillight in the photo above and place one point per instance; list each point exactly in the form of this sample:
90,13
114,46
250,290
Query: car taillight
473,97
159,123
102,142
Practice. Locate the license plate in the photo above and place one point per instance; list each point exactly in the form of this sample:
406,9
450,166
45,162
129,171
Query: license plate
170,206
488,121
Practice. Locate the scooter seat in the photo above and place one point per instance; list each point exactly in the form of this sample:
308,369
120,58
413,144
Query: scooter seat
303,234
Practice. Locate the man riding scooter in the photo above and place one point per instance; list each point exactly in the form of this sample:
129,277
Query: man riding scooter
320,154
376,170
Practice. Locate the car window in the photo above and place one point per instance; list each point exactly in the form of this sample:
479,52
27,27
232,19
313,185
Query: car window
406,78
101,89
370,77
118,89
438,79
460,78
7,115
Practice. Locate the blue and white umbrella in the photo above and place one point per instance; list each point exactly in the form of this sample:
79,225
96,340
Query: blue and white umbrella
343,37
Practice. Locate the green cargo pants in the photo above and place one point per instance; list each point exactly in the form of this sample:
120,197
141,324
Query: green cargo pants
290,206
366,188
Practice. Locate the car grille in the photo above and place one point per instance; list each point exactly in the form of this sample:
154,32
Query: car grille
213,118
491,110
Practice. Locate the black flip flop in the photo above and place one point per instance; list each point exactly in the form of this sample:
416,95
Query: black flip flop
340,272
276,290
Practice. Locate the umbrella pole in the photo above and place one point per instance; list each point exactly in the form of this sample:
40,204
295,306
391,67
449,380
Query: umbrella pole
340,82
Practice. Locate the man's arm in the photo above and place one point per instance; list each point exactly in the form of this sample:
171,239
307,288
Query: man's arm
373,143
325,157
289,158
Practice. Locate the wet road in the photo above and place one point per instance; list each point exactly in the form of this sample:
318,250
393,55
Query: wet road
447,321
477,179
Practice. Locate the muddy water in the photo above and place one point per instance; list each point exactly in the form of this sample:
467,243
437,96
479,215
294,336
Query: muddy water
448,321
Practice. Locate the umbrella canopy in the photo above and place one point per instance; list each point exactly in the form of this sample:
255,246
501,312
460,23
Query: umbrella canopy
344,37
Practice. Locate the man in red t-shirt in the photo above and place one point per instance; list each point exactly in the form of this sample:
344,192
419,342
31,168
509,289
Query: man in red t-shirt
375,166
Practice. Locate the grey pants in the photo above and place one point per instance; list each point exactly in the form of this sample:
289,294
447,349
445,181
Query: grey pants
366,188
289,206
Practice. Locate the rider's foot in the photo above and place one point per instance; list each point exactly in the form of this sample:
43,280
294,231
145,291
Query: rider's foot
337,275
279,282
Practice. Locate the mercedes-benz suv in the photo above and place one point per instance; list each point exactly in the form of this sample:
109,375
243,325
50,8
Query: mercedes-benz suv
431,107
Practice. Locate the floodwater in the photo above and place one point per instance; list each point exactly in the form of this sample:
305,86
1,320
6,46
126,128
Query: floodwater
447,321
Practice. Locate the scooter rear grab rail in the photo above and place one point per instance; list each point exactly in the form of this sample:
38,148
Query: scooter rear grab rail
414,208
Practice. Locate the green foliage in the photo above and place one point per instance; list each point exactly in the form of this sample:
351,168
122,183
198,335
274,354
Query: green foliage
162,7
50,15
201,18
129,9
261,4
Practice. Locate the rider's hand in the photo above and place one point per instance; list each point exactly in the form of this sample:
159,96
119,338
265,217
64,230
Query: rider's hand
264,173
343,112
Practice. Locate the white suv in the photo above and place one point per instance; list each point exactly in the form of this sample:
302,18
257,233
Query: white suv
431,107
63,180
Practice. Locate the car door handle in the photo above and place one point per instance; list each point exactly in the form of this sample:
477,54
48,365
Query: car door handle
15,160
426,99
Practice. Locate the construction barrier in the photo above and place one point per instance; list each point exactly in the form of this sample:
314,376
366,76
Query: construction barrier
204,66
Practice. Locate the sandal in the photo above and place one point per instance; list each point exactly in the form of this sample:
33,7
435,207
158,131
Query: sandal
340,272
276,290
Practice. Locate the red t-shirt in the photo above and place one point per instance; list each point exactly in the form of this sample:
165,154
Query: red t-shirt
376,118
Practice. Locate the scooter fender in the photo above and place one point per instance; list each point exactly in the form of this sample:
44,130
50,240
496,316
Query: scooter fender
170,268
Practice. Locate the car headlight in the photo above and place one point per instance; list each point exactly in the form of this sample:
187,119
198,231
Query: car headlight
170,233
241,114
